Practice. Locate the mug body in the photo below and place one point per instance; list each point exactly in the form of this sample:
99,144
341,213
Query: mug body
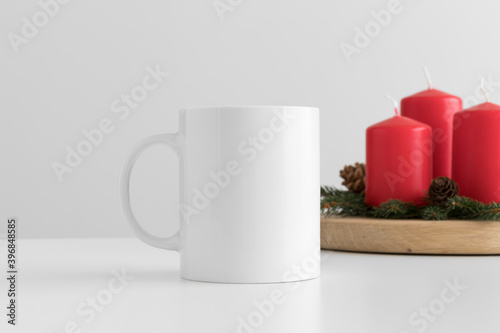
249,194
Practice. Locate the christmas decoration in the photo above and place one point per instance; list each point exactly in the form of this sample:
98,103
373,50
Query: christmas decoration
443,201
441,189
345,203
354,177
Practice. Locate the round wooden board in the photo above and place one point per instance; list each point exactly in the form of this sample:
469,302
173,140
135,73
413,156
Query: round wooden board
410,236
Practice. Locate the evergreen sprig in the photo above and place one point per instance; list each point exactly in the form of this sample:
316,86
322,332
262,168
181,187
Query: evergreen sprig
342,203
345,203
396,209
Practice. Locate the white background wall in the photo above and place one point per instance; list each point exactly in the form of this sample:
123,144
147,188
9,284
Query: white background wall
64,79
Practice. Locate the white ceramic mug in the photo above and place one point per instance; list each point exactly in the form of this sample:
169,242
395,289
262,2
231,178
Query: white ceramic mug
249,192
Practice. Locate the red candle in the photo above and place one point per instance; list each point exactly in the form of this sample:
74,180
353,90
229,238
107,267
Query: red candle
476,147
436,109
398,160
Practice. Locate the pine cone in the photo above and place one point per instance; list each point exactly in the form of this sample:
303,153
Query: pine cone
354,177
441,189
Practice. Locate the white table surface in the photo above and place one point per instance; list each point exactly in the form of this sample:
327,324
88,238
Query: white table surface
356,293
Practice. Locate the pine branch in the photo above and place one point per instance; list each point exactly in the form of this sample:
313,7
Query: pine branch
435,213
343,203
396,209
327,190
463,208
346,203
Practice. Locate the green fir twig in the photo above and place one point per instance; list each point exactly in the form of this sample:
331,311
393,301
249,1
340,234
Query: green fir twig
336,202
342,203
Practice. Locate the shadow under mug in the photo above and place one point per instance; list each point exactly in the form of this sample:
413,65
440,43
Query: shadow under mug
249,193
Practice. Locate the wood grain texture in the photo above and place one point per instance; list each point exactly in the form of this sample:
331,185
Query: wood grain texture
410,236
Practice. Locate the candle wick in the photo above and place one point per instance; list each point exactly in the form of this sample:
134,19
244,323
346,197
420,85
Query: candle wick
484,90
395,104
428,77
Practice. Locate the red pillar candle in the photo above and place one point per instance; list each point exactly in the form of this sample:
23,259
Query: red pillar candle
398,160
476,147
436,109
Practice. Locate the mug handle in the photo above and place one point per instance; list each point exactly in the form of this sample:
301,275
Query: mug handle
170,140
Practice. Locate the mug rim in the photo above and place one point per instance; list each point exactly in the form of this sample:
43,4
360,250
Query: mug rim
229,107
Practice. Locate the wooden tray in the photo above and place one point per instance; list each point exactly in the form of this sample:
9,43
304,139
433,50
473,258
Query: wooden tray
410,236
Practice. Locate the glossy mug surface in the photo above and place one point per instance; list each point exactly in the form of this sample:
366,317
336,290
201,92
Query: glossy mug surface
249,192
